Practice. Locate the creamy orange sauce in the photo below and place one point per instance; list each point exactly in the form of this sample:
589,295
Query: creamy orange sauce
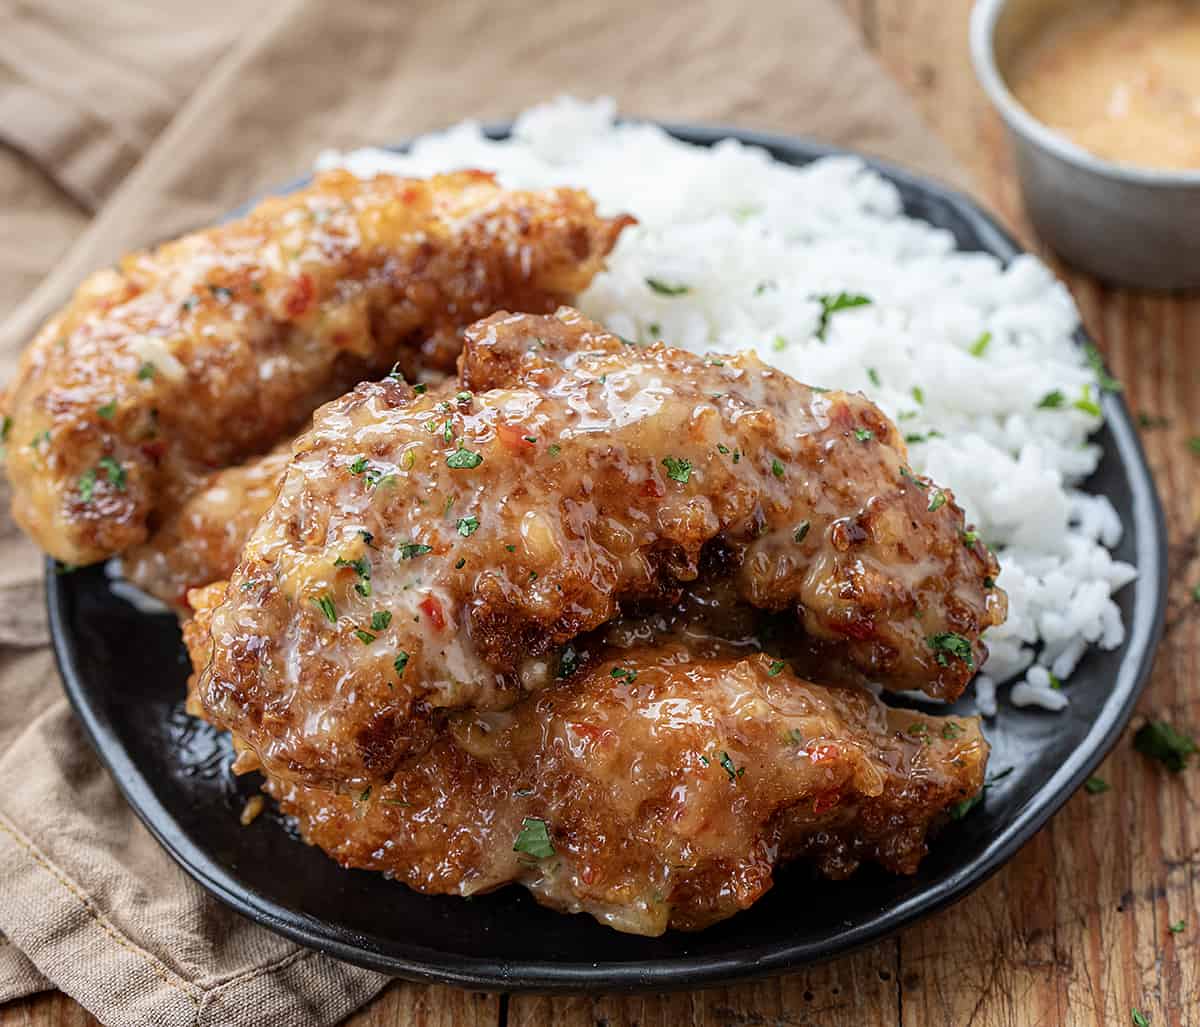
1120,79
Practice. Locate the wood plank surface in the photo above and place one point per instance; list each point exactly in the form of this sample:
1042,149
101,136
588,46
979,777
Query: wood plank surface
1074,931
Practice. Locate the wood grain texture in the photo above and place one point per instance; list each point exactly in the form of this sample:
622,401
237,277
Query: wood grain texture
1074,931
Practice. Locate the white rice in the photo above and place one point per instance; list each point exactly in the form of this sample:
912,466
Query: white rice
755,241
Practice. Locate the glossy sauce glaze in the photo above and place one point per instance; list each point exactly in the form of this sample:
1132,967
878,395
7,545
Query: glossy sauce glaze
434,551
653,787
212,348
1121,79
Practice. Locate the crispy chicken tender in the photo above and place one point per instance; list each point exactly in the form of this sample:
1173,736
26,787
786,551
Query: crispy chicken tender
655,788
212,348
431,552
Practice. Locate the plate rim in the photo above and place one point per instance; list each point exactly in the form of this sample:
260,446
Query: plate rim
1144,632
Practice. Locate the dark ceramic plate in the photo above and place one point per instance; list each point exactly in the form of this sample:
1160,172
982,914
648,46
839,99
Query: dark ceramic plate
125,673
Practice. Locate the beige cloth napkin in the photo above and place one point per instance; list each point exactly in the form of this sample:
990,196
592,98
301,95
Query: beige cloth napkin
163,115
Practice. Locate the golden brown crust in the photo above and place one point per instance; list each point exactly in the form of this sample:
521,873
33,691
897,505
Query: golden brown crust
212,348
668,792
427,552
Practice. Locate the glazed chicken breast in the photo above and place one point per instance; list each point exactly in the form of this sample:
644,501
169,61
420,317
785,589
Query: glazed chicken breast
213,348
431,551
653,788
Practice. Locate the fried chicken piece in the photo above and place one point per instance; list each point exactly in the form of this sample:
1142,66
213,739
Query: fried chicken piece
654,790
201,541
212,348
429,552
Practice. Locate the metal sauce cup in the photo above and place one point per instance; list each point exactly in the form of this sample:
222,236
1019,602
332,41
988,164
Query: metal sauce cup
1125,224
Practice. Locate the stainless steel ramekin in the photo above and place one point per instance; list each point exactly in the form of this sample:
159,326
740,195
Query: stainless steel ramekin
1125,224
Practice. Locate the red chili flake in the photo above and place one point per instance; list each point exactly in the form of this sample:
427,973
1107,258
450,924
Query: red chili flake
300,297
825,802
515,437
652,487
432,609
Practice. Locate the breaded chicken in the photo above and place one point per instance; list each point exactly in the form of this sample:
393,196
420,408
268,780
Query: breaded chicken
194,356
654,789
433,551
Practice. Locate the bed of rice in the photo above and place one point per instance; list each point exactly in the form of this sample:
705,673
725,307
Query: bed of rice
961,351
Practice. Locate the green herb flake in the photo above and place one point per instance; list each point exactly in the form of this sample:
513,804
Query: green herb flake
777,468
947,644
1139,1018
951,730
779,344
970,538
533,839
833,304
87,485
113,471
463,460
365,637
5,428
727,765
1086,403
863,435
980,345
1153,420
937,500
961,809
1194,443
1159,740
467,526
411,550
554,449
918,394
460,563
108,409
146,372
359,465
462,397
776,668
41,437
873,375
1095,361
626,674
906,472
666,289
420,389
1177,927
1096,786
399,663
801,531
677,469
365,794
380,619
1052,400
325,605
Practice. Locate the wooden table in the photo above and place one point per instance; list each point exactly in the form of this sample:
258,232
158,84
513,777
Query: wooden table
1074,930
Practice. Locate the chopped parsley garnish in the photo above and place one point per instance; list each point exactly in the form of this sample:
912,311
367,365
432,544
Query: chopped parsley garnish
467,526
1096,786
1160,741
380,619
961,809
714,362
325,605
970,538
40,437
937,500
463,459
1095,361
1194,443
918,394
948,644
1153,420
533,839
654,328
365,794
951,730
447,432
411,550
146,371
361,567
776,668
359,465
727,764
779,344
777,468
801,531
906,472
874,376
460,563
462,397
666,289
919,730
531,439
555,449
511,548
863,435
399,663
737,455
1086,403
114,472
677,469
722,449
365,637
1052,400
989,582
1177,927
108,409
87,485
833,304
420,389
5,428
568,661
980,345
624,673
1139,1018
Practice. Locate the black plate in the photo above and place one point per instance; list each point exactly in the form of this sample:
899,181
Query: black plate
125,674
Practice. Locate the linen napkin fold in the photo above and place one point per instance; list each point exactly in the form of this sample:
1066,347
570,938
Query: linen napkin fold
89,903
